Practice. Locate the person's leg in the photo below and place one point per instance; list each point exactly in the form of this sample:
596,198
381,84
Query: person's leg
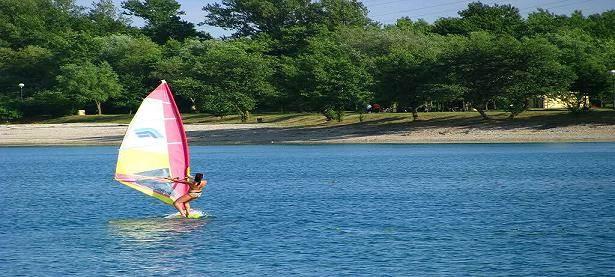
187,205
180,207
179,204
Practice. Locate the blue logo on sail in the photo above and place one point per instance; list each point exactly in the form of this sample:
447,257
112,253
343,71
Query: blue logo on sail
148,133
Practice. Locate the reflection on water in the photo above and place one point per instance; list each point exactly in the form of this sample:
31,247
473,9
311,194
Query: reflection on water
154,246
147,230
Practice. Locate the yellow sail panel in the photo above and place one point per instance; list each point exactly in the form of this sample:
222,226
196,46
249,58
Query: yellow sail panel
130,161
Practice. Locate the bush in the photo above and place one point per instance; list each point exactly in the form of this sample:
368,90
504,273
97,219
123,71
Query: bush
8,114
329,113
9,109
339,115
51,103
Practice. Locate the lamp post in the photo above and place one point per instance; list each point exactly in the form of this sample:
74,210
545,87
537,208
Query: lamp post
21,85
612,72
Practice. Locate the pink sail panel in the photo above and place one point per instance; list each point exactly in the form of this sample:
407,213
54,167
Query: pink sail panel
177,143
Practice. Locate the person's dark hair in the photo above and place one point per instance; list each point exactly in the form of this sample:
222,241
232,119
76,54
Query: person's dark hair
198,177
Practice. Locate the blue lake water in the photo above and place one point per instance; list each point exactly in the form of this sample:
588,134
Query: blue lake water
484,209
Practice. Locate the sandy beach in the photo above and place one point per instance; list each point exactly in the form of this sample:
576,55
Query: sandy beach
205,134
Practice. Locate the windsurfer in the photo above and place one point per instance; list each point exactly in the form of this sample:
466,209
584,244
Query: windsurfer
182,204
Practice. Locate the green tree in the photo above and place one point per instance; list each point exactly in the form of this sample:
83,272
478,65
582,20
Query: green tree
406,75
608,48
289,24
32,65
601,25
162,20
133,59
333,77
495,19
172,69
580,54
406,23
43,23
48,103
220,77
502,68
89,82
9,109
598,26
251,17
536,72
106,18
482,67
543,22
336,13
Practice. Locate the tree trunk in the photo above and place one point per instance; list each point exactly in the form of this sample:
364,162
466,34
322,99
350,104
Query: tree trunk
98,107
245,115
415,113
482,113
339,115
514,113
193,106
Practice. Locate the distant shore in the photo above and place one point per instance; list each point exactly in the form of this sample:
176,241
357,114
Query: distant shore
208,134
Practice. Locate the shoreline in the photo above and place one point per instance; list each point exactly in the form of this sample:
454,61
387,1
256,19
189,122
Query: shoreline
111,134
310,144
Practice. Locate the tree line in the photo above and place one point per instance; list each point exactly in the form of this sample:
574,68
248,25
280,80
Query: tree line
322,56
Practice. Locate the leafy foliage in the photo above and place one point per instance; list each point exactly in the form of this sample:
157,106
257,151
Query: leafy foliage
333,77
323,56
221,78
9,109
496,19
89,82
275,17
580,54
491,67
162,19
407,73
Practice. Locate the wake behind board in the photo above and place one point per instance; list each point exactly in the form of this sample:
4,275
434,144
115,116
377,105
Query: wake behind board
194,214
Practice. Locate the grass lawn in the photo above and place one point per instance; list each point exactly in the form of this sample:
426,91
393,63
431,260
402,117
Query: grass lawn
537,117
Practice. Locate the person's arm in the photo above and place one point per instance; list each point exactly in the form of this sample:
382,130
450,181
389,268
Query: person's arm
190,182
177,180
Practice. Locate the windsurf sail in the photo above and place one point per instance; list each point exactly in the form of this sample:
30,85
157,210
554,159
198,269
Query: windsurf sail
155,148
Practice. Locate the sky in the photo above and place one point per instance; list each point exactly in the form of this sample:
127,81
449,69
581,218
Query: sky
388,11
